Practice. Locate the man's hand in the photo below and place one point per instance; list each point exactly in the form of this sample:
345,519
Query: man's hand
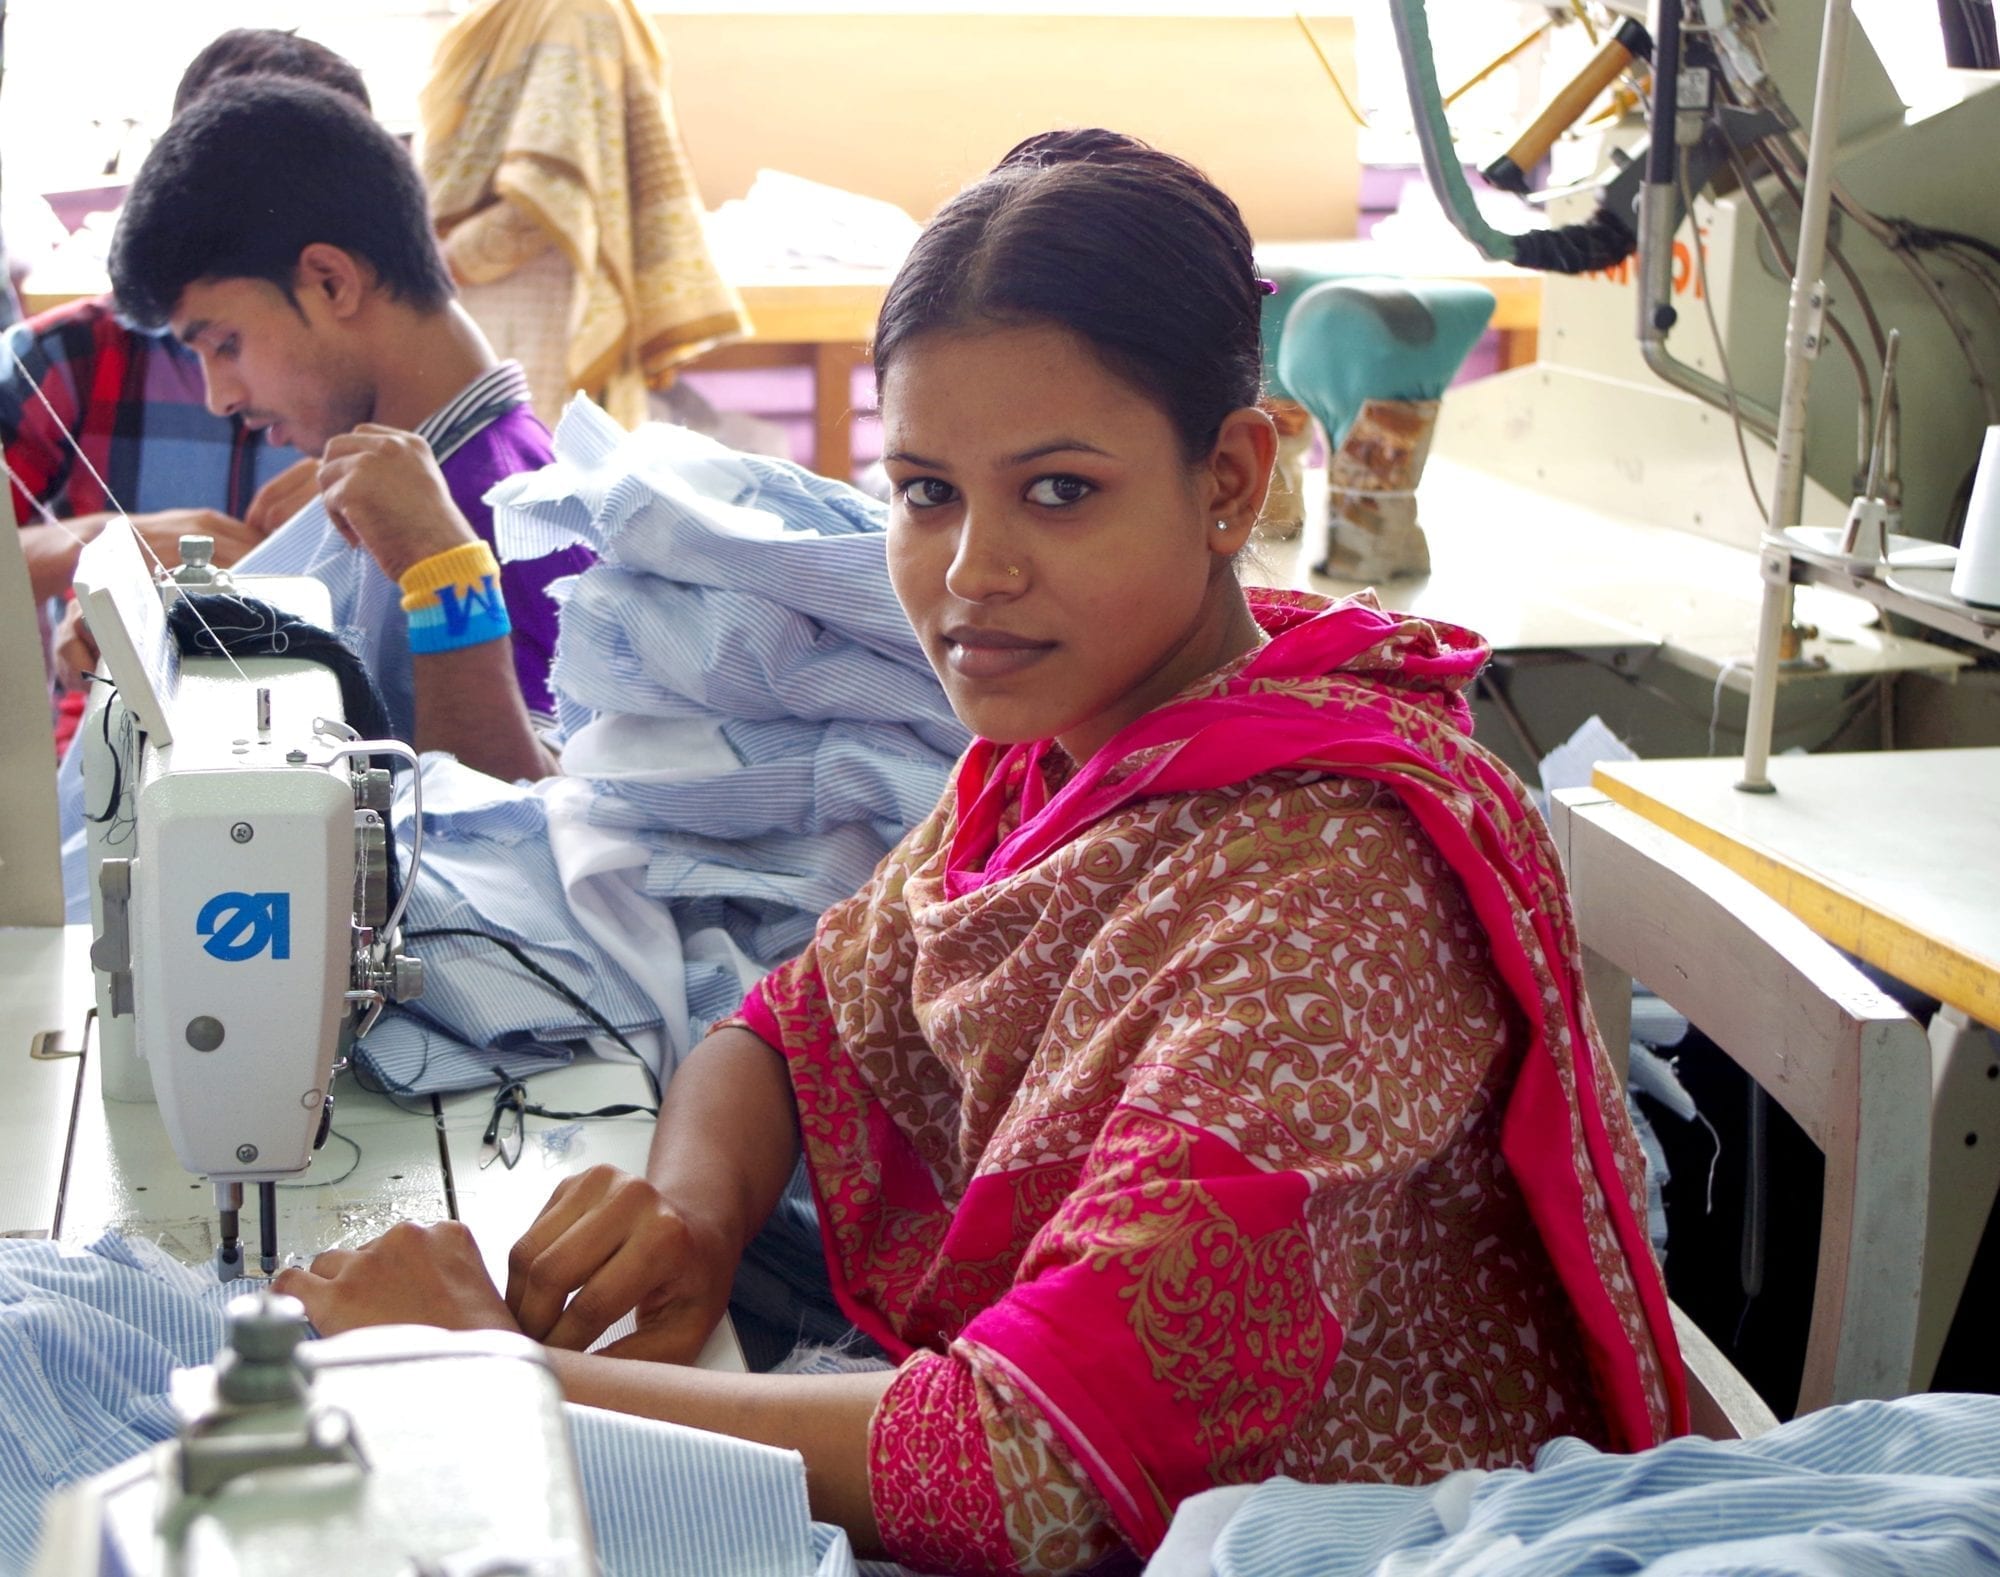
615,1242
282,497
163,532
384,492
73,649
411,1275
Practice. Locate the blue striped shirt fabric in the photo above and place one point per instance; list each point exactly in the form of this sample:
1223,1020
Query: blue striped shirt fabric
771,582
664,1498
1871,1489
749,727
88,1338
488,867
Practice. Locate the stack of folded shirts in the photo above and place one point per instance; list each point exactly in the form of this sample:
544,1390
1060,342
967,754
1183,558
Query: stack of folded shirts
747,726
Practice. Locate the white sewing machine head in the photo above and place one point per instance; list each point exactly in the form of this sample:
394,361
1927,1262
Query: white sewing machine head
239,886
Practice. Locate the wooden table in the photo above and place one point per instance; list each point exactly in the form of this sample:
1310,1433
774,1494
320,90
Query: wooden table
825,320
1893,856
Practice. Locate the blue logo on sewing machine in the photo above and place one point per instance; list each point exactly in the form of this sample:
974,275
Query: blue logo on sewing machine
239,926
482,600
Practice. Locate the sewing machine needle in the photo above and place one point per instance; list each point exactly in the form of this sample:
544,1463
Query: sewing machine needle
267,1226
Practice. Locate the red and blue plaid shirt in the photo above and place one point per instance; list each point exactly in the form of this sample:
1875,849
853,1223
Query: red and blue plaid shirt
136,404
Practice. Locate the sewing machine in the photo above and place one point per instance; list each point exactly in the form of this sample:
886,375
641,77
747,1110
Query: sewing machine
1594,519
451,1425
239,879
386,1451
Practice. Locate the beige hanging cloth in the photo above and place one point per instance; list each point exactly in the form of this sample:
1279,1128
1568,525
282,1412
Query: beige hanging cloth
546,126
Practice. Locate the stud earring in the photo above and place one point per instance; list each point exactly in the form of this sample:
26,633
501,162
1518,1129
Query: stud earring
1222,525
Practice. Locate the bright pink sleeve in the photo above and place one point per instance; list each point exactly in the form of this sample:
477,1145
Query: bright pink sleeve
756,1016
759,1012
930,1473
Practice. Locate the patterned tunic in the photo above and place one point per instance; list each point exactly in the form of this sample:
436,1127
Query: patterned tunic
1177,1144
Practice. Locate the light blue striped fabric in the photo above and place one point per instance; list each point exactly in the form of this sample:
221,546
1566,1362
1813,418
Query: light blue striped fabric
744,700
86,1344
704,500
737,687
640,641
1872,1489
769,594
667,1499
487,867
88,1338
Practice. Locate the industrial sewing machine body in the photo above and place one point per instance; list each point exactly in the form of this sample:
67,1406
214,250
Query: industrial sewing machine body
239,878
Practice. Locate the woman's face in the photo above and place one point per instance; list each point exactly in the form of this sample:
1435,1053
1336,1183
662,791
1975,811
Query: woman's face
1056,554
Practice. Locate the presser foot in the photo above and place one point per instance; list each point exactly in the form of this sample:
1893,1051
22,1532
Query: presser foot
229,1218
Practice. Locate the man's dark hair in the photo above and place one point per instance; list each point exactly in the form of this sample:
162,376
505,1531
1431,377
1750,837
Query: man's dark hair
269,51
253,172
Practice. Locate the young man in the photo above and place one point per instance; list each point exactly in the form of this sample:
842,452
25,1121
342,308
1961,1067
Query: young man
283,236
133,401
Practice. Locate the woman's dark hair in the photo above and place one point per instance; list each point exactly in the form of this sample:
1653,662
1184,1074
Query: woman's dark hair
1131,248
269,51
253,172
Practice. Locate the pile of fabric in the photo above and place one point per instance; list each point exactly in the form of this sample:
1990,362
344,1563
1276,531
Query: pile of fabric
1909,1488
747,727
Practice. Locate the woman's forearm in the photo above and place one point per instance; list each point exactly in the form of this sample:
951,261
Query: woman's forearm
824,1418
728,1133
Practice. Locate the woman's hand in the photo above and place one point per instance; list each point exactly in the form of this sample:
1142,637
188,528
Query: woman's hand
618,1244
75,649
411,1275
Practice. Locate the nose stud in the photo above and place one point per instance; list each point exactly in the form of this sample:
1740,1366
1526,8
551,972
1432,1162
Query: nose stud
1014,571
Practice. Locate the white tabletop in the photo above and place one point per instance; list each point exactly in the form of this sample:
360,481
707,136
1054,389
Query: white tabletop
1533,573
44,994
1892,855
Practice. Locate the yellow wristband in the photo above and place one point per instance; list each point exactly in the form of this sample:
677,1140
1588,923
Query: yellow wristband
465,565
453,599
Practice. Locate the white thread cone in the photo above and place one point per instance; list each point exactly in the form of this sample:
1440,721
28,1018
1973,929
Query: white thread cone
1977,578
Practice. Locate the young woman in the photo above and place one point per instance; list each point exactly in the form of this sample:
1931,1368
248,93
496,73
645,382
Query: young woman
1206,1090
